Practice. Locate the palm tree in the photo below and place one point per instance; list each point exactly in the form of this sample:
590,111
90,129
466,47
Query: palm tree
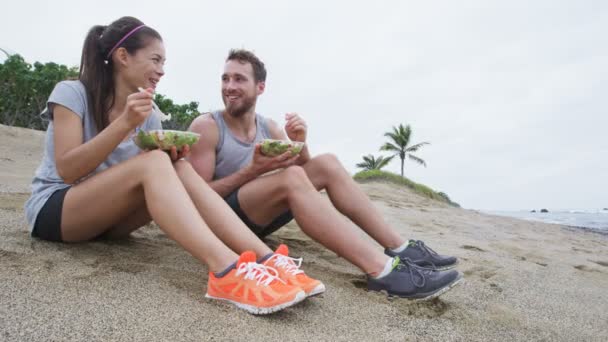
371,163
399,144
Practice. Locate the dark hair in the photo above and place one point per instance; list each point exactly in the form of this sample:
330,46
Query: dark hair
96,67
245,56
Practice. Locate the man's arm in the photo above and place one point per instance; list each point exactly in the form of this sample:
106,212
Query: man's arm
202,157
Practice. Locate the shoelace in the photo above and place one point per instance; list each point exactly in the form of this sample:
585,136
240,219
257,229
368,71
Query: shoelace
420,244
264,275
412,267
291,265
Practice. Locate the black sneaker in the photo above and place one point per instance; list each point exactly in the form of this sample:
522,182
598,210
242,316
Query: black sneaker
408,280
422,255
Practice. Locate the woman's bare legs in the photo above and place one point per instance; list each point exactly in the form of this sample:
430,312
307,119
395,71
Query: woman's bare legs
222,220
110,198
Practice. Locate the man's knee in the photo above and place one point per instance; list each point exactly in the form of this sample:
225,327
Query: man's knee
293,178
327,164
328,159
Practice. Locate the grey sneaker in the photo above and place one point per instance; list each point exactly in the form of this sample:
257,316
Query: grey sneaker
408,280
422,255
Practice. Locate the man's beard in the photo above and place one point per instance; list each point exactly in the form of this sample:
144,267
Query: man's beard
236,110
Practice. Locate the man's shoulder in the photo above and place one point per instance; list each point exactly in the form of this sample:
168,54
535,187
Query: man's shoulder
202,122
271,125
206,126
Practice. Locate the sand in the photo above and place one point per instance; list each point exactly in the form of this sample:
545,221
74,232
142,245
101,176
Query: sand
524,281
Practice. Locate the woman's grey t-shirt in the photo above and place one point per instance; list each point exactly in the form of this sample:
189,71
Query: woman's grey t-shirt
73,96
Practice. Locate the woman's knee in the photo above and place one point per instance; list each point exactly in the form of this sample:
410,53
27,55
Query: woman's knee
182,166
156,162
188,175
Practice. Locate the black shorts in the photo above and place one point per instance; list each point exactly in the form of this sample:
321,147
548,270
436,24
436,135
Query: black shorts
260,231
48,222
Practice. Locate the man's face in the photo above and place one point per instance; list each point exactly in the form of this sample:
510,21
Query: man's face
239,88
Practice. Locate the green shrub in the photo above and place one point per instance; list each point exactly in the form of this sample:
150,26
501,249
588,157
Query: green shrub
389,177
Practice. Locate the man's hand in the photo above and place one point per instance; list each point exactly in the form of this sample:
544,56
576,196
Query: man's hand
295,127
262,164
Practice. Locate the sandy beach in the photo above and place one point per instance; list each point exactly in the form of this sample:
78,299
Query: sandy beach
524,281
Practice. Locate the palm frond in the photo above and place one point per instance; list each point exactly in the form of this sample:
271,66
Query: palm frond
390,147
416,159
383,161
415,148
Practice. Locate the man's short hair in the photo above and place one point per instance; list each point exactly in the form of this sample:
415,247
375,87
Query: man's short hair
245,56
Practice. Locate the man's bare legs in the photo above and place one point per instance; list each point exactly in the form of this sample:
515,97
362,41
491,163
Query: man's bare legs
266,197
326,172
113,201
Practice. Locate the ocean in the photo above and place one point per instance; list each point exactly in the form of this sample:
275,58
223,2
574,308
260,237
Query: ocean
594,219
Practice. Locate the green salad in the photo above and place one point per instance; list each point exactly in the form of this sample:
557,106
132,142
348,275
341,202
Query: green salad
164,139
273,148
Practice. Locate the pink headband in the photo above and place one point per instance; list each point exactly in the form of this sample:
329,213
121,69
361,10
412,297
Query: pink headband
122,40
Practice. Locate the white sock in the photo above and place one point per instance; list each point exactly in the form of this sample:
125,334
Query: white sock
387,268
401,248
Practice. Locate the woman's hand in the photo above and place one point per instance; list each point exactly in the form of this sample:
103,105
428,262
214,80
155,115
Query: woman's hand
177,155
138,108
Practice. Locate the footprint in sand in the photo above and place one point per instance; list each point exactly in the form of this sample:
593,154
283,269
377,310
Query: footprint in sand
586,268
582,250
496,287
359,282
425,309
8,256
472,248
601,263
483,273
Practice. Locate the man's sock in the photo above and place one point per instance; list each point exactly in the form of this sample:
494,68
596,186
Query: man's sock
388,267
402,247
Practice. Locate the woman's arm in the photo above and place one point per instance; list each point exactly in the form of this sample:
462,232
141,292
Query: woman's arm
75,159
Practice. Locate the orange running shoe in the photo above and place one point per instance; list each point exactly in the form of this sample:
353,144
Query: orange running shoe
289,270
254,287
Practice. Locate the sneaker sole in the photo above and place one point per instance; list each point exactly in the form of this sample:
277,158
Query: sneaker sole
426,296
448,267
300,296
317,290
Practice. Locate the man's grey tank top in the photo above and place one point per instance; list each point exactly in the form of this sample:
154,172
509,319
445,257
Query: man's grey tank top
232,154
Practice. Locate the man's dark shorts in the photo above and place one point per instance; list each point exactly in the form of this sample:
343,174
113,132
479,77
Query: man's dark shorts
48,222
260,231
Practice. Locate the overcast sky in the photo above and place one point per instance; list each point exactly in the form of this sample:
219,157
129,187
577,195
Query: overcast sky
508,93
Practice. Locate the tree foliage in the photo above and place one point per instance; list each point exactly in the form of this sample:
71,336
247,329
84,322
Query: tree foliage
399,145
181,115
25,88
372,163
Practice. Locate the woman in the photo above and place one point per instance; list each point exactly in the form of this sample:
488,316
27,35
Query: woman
94,181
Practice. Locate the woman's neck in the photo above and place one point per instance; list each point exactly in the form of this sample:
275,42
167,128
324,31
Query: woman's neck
121,92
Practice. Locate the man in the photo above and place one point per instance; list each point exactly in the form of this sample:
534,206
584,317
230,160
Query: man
228,156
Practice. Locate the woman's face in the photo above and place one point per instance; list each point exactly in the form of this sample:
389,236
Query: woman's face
145,68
